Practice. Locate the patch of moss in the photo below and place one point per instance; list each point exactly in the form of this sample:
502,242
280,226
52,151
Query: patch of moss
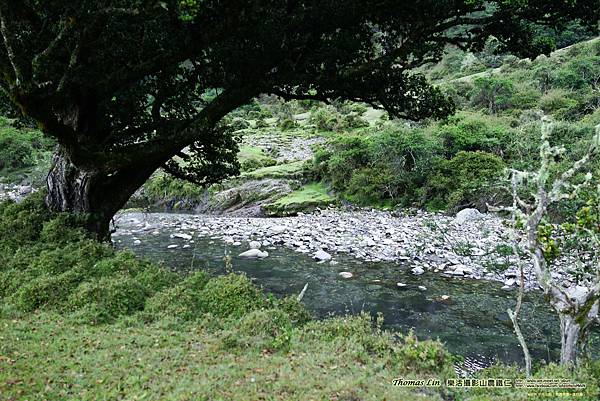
305,199
294,170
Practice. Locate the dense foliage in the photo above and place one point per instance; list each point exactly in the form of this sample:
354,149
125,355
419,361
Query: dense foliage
460,162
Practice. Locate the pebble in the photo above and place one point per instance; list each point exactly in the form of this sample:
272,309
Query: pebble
417,271
346,274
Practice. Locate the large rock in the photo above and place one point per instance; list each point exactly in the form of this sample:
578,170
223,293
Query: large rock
321,255
277,229
466,215
254,253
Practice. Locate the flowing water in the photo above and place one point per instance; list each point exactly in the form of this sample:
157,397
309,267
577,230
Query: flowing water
472,321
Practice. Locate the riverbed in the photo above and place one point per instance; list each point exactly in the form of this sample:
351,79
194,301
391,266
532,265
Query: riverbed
467,314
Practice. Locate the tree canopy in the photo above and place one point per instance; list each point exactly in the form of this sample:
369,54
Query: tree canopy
126,85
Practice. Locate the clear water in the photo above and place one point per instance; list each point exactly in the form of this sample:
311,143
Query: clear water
473,322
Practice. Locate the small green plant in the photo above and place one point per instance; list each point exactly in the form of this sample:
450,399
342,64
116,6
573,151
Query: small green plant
463,248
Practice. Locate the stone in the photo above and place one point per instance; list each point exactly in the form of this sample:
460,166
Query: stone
253,253
422,288
322,255
401,285
466,215
345,274
510,282
333,262
255,245
277,229
172,246
445,297
181,235
417,271
137,242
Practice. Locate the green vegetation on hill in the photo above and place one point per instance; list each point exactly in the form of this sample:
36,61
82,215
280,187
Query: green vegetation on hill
305,199
24,152
460,162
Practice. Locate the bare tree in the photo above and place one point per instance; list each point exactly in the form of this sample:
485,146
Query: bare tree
574,293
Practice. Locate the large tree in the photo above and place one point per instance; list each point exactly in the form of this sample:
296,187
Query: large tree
125,85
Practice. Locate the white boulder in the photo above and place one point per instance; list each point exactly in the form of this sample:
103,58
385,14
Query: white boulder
417,271
321,255
254,253
254,245
468,214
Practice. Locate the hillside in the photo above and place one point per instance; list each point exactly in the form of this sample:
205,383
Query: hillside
296,156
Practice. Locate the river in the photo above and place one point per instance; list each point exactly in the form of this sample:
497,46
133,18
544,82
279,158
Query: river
468,315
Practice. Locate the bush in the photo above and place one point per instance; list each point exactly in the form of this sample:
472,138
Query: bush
20,147
107,298
325,118
471,133
287,123
260,329
181,301
230,296
492,93
46,291
468,179
238,124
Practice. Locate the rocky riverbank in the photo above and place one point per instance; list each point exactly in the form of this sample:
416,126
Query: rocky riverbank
470,245
15,192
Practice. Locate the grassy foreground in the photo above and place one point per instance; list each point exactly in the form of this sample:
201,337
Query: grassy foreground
45,357
81,321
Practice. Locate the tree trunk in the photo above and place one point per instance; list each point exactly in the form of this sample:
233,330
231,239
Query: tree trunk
570,332
95,194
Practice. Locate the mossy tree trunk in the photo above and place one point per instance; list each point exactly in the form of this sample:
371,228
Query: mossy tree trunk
93,193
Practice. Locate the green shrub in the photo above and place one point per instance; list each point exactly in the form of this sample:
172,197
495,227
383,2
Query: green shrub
107,298
326,119
293,308
470,133
260,329
20,147
230,296
181,301
287,123
468,179
21,223
492,93
421,356
46,291
238,123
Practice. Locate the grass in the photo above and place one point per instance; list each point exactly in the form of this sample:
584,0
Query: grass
306,198
46,357
252,158
292,170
